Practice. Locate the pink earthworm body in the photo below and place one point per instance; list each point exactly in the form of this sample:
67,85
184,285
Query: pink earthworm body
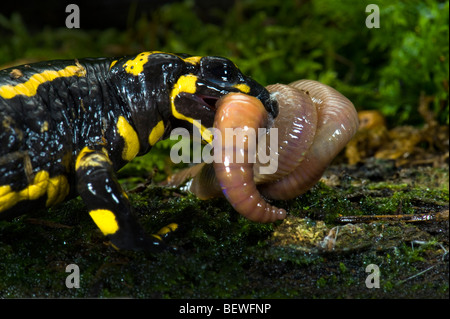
240,111
337,122
314,124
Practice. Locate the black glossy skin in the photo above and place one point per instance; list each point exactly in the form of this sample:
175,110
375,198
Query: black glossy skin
64,134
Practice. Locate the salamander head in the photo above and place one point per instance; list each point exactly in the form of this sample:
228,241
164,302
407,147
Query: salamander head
194,96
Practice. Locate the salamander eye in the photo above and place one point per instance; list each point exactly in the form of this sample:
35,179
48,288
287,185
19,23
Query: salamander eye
219,70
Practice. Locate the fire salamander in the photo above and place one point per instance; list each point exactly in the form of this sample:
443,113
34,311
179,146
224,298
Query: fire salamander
66,126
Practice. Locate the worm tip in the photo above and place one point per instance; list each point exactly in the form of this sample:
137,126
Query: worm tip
281,214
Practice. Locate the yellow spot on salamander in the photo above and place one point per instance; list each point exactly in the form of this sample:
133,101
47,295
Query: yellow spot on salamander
136,66
112,64
44,127
187,84
156,133
157,236
95,159
244,88
131,147
79,162
105,220
4,190
56,188
29,88
193,59
8,198
37,188
167,229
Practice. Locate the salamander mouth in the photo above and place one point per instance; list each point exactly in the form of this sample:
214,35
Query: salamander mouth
208,101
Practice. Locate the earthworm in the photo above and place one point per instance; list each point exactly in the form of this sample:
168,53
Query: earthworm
337,123
314,124
296,129
240,111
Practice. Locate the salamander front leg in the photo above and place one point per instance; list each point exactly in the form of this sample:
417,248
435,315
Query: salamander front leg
108,204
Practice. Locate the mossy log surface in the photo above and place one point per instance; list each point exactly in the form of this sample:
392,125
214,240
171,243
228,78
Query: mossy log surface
358,215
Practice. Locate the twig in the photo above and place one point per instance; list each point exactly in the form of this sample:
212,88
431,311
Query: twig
416,275
408,218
